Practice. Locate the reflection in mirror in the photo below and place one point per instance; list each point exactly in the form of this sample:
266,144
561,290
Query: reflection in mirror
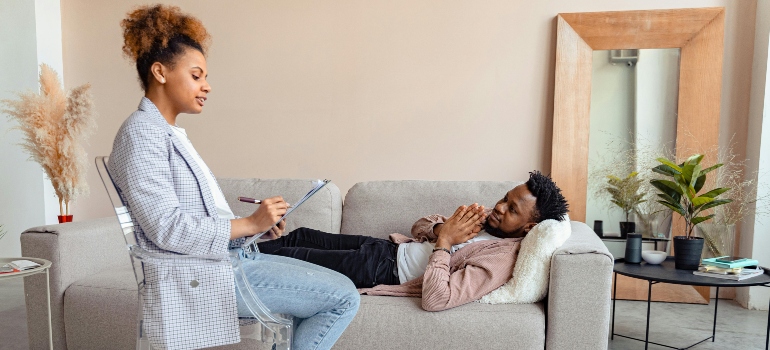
634,97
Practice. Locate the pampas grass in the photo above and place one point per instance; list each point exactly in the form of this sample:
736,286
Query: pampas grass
55,126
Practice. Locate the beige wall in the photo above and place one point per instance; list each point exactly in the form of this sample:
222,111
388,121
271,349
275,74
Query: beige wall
754,240
369,90
30,33
21,190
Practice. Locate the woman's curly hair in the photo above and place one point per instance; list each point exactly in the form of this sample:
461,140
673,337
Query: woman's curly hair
159,33
550,203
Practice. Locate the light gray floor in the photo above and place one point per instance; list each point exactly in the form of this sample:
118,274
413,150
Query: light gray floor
672,324
13,315
682,325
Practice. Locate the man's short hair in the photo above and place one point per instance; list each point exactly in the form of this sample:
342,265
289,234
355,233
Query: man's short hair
550,203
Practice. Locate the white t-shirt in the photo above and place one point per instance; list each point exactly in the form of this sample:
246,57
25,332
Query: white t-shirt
412,258
223,209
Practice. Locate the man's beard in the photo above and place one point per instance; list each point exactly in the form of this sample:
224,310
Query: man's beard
494,231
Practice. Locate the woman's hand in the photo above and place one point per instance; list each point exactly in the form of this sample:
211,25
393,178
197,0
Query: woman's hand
268,213
463,225
275,232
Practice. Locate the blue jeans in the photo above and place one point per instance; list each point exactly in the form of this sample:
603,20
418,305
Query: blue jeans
322,301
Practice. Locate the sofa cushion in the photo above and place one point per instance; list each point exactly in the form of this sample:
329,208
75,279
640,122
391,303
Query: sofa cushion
322,212
380,208
100,311
75,249
529,283
401,323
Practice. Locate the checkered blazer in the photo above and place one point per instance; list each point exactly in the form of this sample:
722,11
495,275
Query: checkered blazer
173,211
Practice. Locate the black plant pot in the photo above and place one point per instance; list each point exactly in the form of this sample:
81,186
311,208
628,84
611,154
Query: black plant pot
598,228
687,252
627,227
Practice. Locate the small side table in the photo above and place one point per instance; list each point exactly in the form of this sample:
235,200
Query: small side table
667,273
43,268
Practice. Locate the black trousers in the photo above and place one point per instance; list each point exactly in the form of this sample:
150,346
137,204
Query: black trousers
367,261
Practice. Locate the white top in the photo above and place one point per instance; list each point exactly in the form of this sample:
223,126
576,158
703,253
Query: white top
412,258
223,209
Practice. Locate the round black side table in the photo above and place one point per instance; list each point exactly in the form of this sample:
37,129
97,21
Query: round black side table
666,273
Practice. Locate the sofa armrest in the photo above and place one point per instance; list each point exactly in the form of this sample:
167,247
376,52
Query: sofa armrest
76,250
579,292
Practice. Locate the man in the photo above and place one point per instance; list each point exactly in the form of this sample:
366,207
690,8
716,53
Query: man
449,262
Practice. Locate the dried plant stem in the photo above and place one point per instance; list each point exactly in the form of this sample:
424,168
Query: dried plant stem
54,126
711,244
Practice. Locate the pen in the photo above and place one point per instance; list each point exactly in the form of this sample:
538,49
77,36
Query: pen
254,201
249,200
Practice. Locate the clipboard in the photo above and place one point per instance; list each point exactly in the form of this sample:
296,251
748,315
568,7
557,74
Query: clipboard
317,186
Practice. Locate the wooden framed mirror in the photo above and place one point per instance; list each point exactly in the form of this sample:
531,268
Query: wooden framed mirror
699,36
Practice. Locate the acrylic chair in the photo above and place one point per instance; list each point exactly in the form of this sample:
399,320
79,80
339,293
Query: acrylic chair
261,325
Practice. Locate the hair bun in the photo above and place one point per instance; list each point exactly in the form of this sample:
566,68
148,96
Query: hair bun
152,26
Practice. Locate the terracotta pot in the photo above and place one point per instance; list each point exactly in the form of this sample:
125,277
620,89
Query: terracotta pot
65,218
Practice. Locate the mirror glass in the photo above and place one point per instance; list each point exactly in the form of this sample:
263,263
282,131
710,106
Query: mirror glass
634,96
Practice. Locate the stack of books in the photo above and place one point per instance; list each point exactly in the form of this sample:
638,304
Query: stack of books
736,269
18,266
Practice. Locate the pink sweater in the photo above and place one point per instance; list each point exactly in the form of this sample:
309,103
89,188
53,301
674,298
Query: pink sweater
449,281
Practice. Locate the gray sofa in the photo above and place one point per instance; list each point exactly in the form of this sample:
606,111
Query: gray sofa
94,300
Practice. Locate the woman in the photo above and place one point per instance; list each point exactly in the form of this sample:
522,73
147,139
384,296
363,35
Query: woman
179,208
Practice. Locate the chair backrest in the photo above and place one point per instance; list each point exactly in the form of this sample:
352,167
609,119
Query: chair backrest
126,224
280,326
124,218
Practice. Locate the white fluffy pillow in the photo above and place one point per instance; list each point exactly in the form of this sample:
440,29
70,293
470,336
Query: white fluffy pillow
529,283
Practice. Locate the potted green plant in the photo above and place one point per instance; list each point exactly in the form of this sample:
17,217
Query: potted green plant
625,194
680,194
620,157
